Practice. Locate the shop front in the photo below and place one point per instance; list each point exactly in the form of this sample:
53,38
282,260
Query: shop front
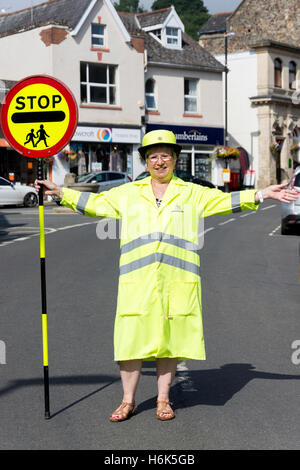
103,148
15,167
198,144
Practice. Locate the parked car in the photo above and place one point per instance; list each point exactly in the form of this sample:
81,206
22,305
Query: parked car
105,179
184,175
17,194
290,213
203,182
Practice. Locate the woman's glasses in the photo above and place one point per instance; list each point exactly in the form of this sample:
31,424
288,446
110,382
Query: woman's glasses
164,156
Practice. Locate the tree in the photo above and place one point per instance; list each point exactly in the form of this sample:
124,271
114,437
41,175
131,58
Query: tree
130,6
193,13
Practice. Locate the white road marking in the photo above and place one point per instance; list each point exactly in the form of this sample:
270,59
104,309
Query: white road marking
274,231
48,231
205,231
226,222
183,378
248,213
268,207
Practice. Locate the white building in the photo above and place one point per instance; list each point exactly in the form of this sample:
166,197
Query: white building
129,73
183,88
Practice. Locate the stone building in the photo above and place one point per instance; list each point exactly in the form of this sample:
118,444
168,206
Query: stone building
263,52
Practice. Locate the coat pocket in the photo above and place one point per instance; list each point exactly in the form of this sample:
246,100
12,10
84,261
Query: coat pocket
129,298
184,298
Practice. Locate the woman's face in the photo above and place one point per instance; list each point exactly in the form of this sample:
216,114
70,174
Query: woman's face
161,162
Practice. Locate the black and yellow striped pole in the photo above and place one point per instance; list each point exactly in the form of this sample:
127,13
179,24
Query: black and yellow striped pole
37,107
43,292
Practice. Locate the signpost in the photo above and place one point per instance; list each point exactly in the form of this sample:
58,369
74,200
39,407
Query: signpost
38,119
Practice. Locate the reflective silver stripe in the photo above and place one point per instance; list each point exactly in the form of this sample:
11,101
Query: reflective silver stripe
178,263
143,240
137,264
160,258
159,236
82,202
236,202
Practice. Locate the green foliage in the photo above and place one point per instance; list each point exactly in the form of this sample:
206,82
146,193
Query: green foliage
130,6
193,13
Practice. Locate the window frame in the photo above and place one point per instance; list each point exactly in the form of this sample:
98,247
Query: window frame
157,33
150,95
172,36
94,35
292,74
189,97
108,86
277,72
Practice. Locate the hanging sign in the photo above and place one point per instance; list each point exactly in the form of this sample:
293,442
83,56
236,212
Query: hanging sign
39,116
226,175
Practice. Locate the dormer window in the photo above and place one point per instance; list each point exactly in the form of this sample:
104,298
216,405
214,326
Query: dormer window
157,33
98,35
172,35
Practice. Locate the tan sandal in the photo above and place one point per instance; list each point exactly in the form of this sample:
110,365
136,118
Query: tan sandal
123,415
162,409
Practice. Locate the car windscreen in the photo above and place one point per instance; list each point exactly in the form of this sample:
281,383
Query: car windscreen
115,176
297,181
83,178
3,182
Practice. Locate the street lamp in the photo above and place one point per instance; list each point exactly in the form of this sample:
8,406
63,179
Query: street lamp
225,36
226,138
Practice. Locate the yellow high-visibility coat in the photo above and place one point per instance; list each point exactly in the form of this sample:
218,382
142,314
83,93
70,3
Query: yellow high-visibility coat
159,294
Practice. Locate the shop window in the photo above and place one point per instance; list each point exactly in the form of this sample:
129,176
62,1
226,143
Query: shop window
190,95
292,75
172,36
98,39
98,83
150,96
277,73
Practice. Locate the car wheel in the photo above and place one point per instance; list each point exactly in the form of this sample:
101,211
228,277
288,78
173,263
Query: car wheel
30,200
284,229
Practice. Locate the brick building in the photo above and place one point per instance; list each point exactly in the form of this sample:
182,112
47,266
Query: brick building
263,81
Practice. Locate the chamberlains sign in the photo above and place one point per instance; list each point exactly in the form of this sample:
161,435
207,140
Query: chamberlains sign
193,135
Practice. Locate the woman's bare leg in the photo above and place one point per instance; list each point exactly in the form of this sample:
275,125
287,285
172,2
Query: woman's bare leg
165,370
130,373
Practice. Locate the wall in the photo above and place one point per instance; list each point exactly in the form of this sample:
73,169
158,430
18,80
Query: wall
243,128
130,70
252,21
170,99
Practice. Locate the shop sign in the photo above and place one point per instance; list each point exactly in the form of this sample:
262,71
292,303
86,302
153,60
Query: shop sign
193,135
107,135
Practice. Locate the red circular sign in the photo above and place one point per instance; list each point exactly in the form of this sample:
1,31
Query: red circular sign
39,116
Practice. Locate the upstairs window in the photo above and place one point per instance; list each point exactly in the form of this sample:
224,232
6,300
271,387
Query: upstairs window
98,35
150,96
98,83
277,73
190,95
157,33
292,75
172,36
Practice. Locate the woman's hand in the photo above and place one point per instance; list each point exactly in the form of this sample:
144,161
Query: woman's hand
280,193
49,188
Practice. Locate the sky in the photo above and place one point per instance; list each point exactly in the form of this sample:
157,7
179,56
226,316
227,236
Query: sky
213,6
